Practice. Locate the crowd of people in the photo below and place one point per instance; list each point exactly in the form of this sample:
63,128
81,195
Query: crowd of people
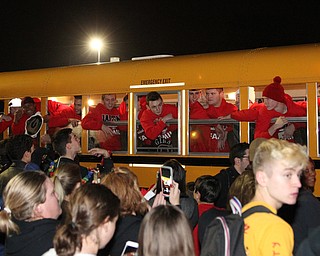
58,213
52,205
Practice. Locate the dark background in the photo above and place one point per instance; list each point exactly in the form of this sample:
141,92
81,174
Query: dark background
39,34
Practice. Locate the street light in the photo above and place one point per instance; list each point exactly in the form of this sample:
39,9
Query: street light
96,44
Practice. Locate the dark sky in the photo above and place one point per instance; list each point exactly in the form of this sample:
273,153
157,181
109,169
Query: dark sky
39,34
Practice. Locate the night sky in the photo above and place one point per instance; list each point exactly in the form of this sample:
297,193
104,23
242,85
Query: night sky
39,34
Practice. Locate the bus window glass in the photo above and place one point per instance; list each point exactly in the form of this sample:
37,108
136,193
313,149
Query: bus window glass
207,133
62,112
157,126
293,110
107,122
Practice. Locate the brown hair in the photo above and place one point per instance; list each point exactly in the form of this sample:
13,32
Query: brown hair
89,207
124,184
243,187
165,231
65,179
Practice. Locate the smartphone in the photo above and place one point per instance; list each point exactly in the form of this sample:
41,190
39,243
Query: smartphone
130,248
166,176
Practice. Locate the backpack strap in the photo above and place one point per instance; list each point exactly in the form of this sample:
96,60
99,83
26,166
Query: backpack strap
258,208
226,233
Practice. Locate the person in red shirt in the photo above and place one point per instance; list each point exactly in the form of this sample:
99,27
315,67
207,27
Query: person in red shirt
277,104
124,114
218,106
102,118
206,192
68,115
154,121
6,120
198,140
22,115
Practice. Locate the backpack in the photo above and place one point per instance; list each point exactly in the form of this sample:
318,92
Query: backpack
225,235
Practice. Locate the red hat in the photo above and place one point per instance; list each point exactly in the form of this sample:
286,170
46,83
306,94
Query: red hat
275,91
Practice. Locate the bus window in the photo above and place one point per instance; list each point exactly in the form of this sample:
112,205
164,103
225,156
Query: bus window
157,128
294,111
62,112
107,122
207,134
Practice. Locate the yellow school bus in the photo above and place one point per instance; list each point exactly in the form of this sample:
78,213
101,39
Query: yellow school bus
173,78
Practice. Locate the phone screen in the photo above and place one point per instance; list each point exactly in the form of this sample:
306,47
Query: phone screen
166,179
130,248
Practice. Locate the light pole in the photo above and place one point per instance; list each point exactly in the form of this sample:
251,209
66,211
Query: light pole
96,44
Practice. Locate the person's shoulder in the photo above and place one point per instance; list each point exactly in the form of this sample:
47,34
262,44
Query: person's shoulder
188,200
212,213
100,106
223,173
11,172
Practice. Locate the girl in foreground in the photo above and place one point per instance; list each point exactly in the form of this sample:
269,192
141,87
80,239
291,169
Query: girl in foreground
94,211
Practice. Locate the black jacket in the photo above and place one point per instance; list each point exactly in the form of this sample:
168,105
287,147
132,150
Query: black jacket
127,229
226,177
15,168
34,239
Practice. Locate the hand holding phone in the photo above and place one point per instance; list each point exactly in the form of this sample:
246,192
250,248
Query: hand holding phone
174,197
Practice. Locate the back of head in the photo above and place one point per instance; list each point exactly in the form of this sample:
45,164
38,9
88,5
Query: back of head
21,195
253,147
89,207
165,231
291,154
243,187
17,146
179,174
61,139
238,151
66,178
124,184
275,91
209,189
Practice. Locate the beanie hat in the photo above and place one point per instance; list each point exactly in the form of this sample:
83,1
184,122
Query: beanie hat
275,91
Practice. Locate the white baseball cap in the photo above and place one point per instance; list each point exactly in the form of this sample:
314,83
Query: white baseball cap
16,102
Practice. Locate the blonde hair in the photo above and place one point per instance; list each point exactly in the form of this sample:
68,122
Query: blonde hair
23,192
293,154
124,184
165,231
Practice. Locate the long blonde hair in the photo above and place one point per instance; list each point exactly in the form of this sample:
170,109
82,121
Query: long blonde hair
23,192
